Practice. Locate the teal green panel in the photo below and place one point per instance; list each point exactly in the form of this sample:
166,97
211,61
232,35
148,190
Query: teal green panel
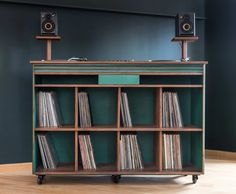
145,70
185,105
118,79
196,139
66,101
146,142
115,68
64,143
173,79
105,146
186,148
66,79
142,105
191,145
37,161
103,105
197,105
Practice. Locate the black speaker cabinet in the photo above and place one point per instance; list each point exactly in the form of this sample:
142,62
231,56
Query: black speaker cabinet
49,23
185,24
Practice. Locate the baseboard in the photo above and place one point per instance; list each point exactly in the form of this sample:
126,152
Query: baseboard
221,155
15,167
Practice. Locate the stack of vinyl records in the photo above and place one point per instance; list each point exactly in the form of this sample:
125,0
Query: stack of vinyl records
130,154
86,150
47,151
125,113
84,110
172,156
172,116
48,110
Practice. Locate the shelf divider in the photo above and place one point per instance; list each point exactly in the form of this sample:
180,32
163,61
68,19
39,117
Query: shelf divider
158,136
118,127
76,132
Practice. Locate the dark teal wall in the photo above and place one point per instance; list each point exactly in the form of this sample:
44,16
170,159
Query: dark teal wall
166,7
92,34
221,53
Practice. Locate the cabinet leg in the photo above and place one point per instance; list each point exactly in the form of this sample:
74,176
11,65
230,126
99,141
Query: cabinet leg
40,179
195,178
116,178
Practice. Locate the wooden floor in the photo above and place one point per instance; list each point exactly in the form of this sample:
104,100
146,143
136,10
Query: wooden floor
220,178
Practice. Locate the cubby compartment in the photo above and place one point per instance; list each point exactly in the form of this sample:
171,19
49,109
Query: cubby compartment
65,98
191,144
191,105
147,143
103,106
63,144
149,146
66,79
142,107
104,150
171,79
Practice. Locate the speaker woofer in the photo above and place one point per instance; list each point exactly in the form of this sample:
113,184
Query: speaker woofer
48,26
186,27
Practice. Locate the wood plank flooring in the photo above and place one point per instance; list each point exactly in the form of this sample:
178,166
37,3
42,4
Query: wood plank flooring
220,178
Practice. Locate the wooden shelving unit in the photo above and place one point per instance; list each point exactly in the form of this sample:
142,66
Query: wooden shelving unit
68,78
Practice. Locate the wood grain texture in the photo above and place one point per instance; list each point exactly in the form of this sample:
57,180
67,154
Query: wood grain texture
49,49
18,179
185,38
117,62
117,86
48,37
97,73
118,127
113,128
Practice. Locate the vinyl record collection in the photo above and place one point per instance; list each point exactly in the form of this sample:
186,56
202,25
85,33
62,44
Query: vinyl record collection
171,110
48,110
125,113
130,154
172,156
47,151
84,110
86,150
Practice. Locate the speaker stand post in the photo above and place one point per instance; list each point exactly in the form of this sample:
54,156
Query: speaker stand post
184,45
49,40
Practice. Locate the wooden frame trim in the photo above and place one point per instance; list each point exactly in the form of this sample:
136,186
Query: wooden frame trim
63,62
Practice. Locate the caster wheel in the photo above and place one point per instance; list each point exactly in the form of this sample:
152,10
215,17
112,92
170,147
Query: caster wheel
40,179
195,178
116,178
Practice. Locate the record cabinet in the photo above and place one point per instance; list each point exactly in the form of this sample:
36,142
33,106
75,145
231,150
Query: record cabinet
104,81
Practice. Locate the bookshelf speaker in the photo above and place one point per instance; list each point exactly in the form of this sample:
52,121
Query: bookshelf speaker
49,23
185,24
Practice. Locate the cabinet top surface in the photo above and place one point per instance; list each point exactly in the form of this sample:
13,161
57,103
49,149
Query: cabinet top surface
120,62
